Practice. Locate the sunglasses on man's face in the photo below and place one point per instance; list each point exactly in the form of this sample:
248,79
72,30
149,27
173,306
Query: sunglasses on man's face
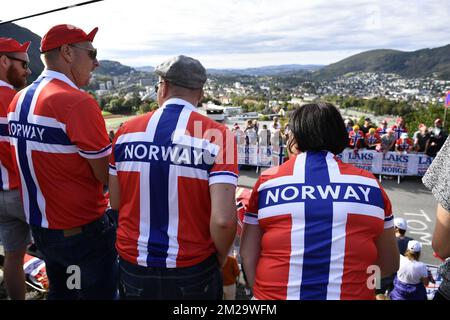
25,64
91,52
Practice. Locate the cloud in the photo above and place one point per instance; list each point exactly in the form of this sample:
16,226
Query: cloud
138,30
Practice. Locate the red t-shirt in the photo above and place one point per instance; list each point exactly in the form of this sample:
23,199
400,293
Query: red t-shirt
55,128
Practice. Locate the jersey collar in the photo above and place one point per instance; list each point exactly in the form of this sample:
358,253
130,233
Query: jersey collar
179,102
58,75
5,84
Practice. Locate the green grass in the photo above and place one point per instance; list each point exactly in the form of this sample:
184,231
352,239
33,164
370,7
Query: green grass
114,123
106,113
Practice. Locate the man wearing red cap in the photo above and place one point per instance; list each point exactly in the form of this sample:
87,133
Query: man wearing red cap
14,230
62,148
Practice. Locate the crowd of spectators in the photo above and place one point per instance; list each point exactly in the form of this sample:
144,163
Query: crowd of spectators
428,140
265,135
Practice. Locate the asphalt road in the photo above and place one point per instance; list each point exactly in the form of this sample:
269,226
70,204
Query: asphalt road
410,200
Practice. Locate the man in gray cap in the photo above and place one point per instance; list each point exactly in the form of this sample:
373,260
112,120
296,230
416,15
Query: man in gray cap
173,175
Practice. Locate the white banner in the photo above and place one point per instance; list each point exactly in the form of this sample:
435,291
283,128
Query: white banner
390,163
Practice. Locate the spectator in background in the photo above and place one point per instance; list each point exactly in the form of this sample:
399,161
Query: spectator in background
421,139
399,128
438,137
230,272
356,138
412,276
400,226
400,230
388,141
275,125
251,136
256,125
264,136
382,129
349,125
240,135
404,144
372,139
437,179
366,126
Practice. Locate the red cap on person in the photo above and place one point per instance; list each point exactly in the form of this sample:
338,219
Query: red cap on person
65,34
11,45
437,121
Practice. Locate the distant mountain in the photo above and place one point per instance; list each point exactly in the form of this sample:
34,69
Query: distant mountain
112,68
267,71
420,63
145,69
22,35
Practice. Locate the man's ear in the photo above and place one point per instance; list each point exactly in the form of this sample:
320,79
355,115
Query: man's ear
4,62
164,87
66,52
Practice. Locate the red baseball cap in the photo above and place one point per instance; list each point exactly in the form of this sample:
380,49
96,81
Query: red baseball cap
11,45
65,34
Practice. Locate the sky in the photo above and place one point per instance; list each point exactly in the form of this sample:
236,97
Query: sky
245,33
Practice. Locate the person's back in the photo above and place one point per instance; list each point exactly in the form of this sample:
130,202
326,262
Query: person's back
61,146
173,175
411,271
169,175
314,225
264,136
49,130
412,275
323,257
251,135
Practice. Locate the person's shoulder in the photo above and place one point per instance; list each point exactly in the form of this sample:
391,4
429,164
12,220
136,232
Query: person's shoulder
136,124
6,96
350,169
61,91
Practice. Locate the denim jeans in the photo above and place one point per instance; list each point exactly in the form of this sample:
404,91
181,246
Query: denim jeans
200,282
93,251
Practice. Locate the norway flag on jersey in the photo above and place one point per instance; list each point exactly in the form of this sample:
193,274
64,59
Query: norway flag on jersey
54,128
9,179
165,162
320,220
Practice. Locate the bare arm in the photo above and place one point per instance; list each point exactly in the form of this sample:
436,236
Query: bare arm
223,218
388,255
100,169
441,234
114,192
250,250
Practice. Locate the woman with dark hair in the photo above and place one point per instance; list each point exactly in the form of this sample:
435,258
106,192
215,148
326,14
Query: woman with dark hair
317,228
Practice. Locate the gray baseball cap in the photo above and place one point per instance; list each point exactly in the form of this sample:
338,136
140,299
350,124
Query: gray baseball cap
183,71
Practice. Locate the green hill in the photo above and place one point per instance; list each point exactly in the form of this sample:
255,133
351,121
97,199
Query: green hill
420,63
22,35
112,68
